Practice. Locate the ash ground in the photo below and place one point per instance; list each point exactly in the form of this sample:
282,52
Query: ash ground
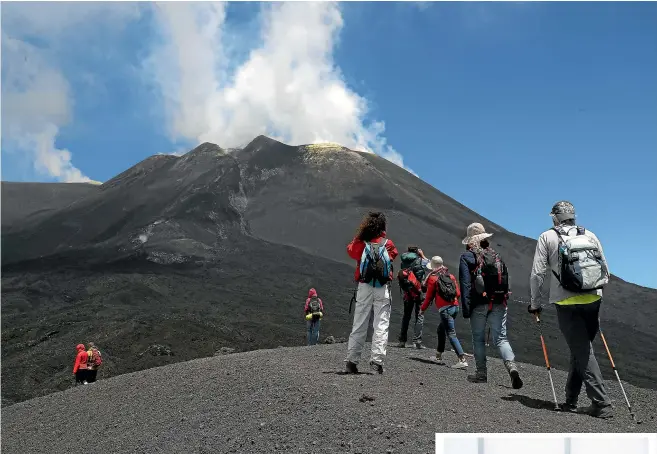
298,400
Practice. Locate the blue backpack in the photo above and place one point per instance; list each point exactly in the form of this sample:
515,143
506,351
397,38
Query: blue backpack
375,264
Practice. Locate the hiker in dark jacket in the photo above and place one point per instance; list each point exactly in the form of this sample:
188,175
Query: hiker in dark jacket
314,311
372,296
414,262
480,311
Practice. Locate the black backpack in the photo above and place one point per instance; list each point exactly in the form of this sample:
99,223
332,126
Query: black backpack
313,307
446,287
412,261
491,277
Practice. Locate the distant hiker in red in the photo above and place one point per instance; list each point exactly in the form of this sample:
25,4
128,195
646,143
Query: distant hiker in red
442,288
80,366
374,254
314,311
94,361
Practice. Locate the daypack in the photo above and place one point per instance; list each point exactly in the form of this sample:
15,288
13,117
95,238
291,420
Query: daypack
581,268
94,357
446,287
409,284
412,261
314,307
491,277
375,264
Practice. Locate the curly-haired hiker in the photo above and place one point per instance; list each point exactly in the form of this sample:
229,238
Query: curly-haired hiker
314,311
374,254
442,288
483,301
576,292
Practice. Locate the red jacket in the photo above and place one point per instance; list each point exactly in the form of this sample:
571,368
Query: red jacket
312,292
433,294
356,247
81,359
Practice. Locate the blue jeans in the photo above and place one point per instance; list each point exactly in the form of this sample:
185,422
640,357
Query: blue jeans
446,328
313,331
497,322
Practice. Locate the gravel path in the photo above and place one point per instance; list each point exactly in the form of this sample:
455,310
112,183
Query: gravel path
297,400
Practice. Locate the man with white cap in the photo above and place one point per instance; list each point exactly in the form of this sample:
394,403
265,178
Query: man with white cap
574,257
442,288
483,301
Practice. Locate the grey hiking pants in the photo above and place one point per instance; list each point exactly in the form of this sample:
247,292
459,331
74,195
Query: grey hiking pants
579,325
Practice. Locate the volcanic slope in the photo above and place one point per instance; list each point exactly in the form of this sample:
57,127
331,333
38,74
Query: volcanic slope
297,400
179,256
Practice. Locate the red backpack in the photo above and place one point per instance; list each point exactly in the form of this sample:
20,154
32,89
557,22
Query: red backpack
96,358
409,284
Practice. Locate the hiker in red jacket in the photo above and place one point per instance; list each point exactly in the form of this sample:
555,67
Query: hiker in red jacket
374,254
314,311
442,288
80,366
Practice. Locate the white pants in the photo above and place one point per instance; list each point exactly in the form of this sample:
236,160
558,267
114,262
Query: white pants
368,298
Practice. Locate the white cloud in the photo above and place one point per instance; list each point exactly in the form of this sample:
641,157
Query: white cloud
288,88
36,97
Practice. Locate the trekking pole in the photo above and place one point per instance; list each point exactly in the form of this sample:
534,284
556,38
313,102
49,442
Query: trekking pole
488,338
353,299
547,362
613,366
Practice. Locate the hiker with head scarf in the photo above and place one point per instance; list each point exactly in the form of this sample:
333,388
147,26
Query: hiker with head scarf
442,288
314,311
374,254
482,308
94,361
80,366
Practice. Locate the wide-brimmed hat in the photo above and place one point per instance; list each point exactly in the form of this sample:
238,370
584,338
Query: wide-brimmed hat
435,262
475,234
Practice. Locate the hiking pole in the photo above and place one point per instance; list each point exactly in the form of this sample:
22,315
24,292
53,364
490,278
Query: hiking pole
547,362
353,299
613,366
488,338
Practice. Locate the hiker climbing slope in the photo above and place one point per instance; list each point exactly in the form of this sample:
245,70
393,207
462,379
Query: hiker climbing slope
94,361
314,312
572,258
410,278
484,292
80,365
374,254
443,289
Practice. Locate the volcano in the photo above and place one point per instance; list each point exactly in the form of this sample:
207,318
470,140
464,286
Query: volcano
179,257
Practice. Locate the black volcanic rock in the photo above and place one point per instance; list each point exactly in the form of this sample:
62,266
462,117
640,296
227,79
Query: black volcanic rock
218,248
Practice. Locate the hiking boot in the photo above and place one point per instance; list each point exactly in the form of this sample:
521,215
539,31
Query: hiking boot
438,358
351,368
377,367
597,411
568,407
516,381
419,346
461,364
478,377
402,345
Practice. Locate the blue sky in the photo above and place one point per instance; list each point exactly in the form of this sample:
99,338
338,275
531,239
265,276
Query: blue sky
555,100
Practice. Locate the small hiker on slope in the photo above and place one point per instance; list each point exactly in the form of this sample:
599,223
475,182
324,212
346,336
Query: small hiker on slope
576,292
442,288
80,366
374,254
314,311
484,292
410,278
94,361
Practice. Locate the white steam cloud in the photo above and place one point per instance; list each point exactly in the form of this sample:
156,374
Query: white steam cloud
288,88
